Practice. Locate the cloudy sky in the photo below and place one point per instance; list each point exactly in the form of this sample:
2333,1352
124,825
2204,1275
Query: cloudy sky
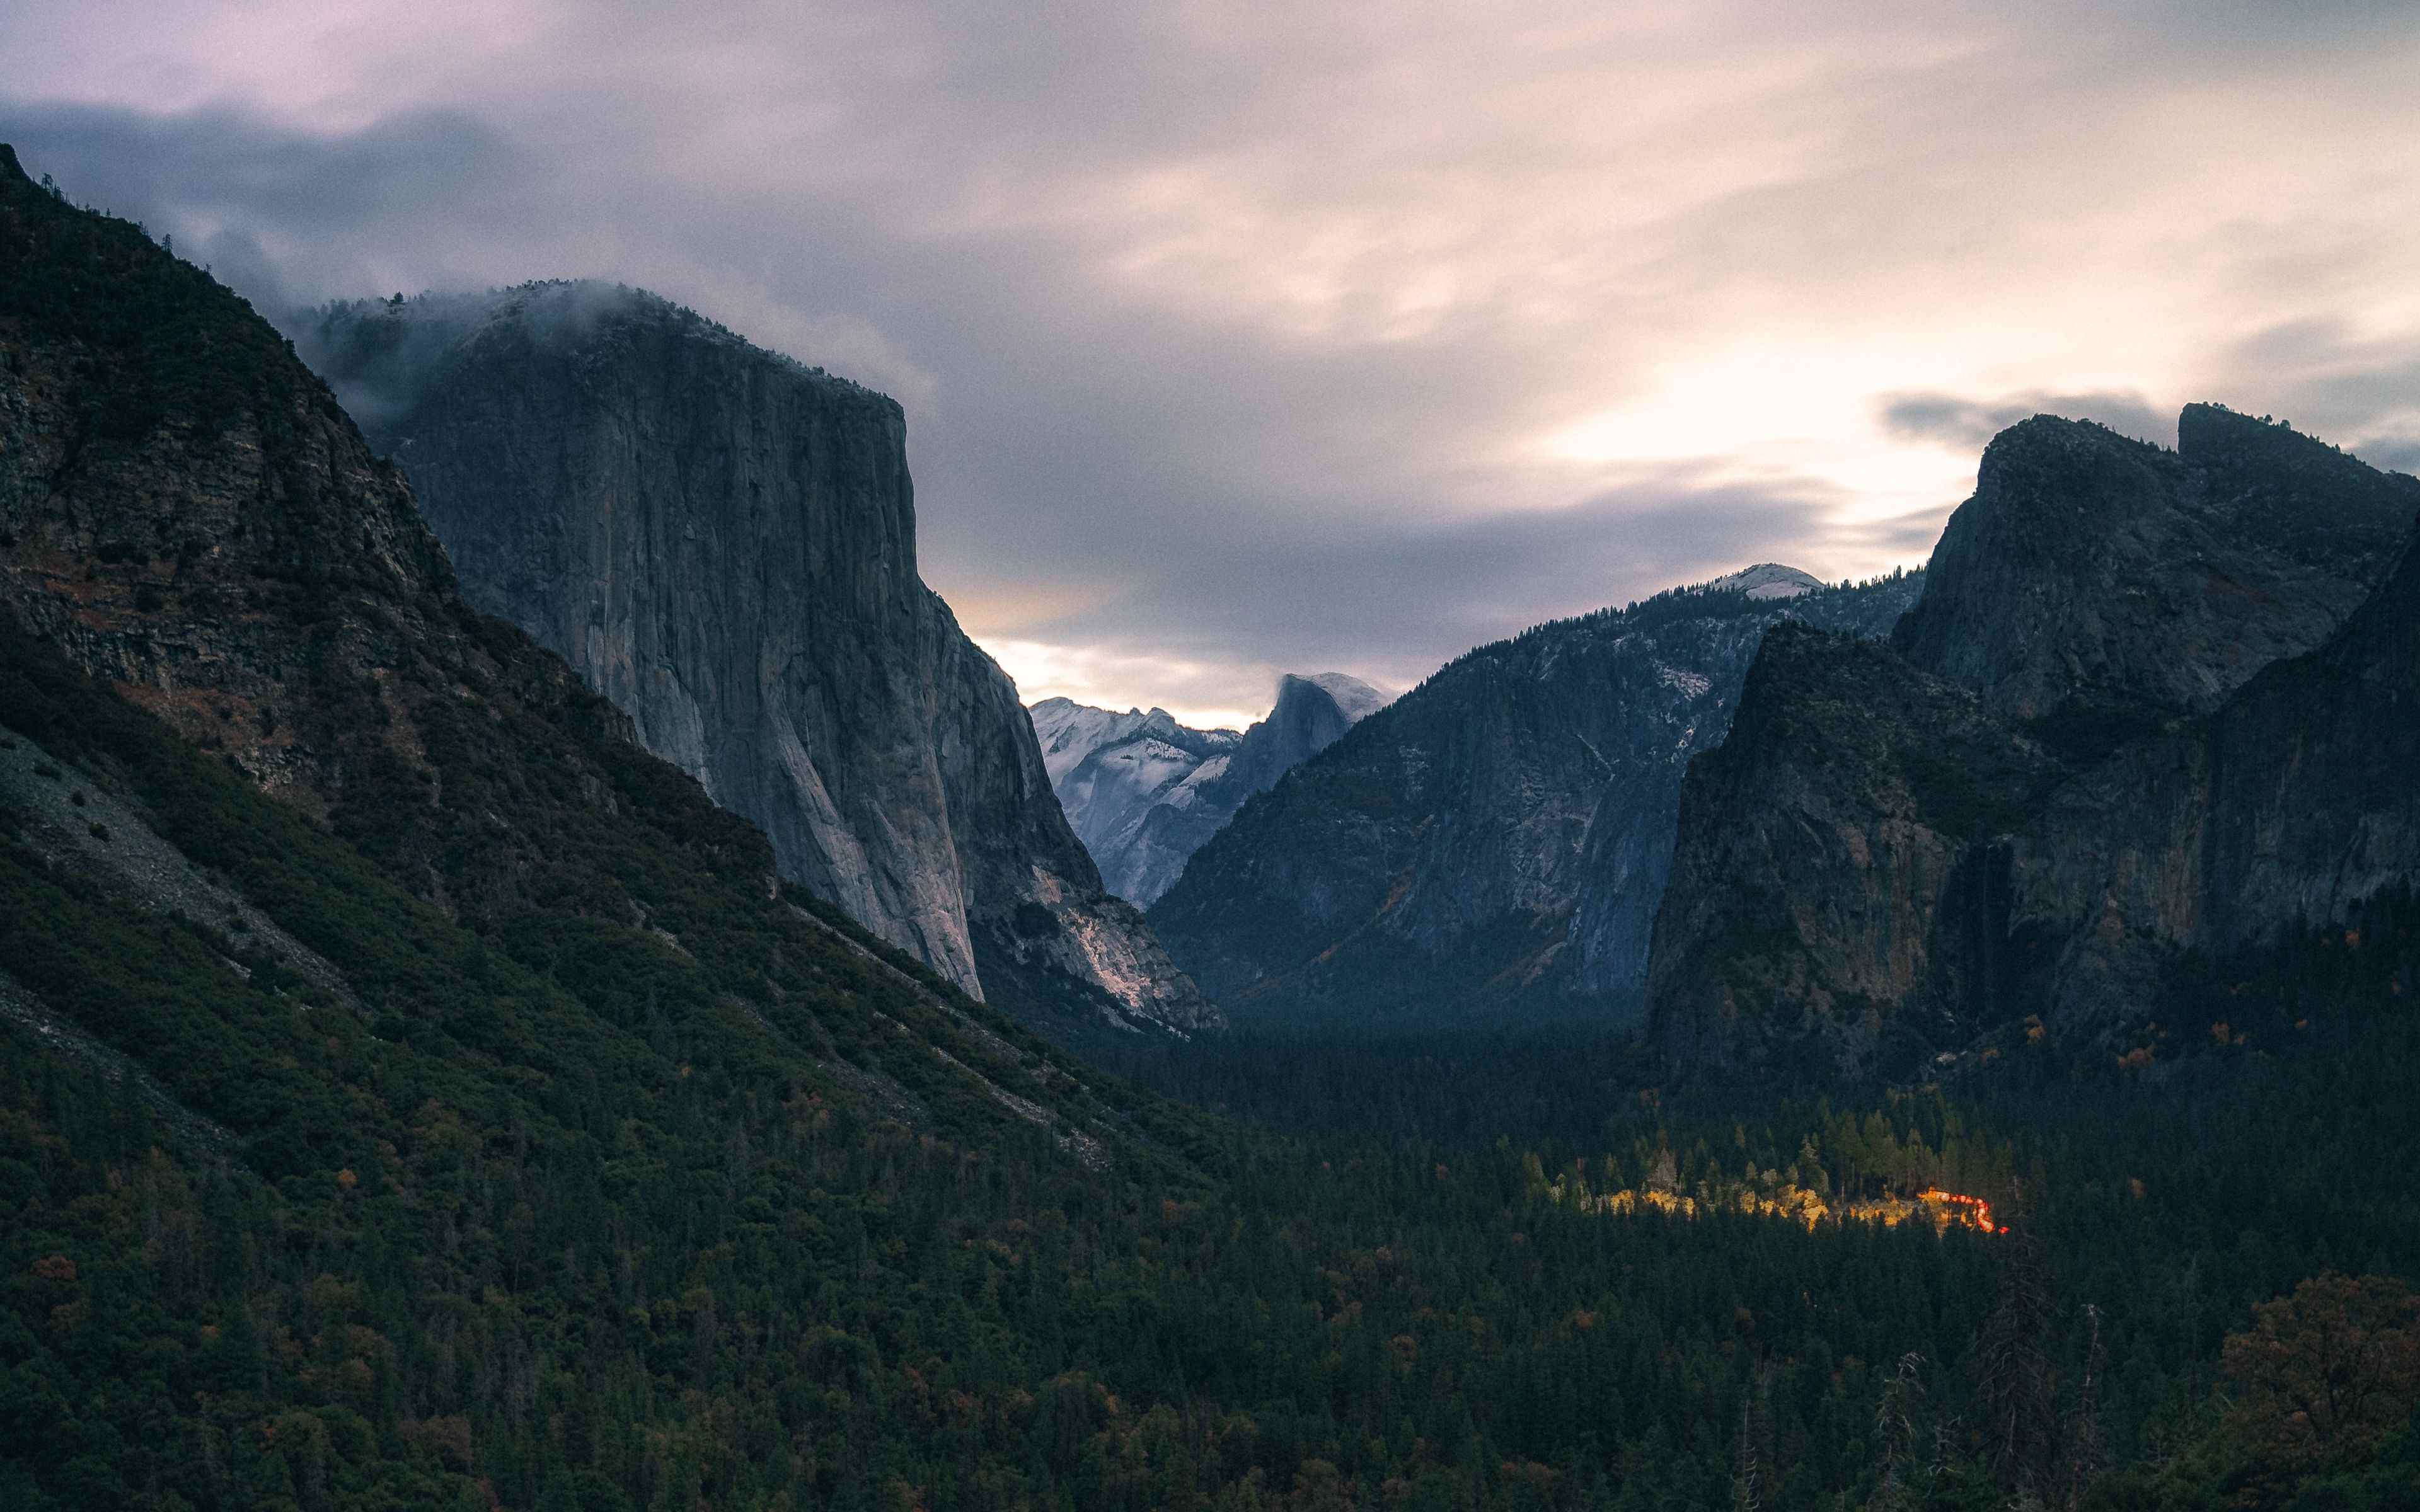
1236,337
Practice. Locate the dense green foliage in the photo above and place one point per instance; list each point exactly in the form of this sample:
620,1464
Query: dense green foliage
2169,1194
609,1068
548,1225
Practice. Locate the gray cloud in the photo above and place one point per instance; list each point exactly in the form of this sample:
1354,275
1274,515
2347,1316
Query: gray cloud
1235,338
1118,475
2322,375
1966,424
2402,454
1376,602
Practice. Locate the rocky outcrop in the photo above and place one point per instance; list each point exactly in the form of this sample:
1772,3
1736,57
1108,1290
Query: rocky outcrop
2144,710
192,517
2096,587
1132,785
1144,793
2288,808
1069,731
1309,715
1494,842
1841,881
721,542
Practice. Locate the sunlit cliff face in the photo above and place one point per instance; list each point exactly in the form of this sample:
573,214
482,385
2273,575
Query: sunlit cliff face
1237,340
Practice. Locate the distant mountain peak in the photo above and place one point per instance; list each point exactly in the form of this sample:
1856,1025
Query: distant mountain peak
1765,581
1494,843
1352,695
1144,793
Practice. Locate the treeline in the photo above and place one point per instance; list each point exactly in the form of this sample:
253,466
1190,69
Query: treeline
553,1223
750,1306
2162,1203
847,1316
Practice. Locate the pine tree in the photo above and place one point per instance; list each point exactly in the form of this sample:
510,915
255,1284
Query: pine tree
2019,1428
2085,1454
1895,1430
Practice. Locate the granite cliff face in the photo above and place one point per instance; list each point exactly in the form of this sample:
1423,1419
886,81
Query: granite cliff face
1493,842
1144,793
2291,807
2119,728
2096,587
189,516
1309,715
467,889
1840,878
721,542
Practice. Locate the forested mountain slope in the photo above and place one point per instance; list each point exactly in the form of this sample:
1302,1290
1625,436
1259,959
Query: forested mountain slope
418,961
1491,844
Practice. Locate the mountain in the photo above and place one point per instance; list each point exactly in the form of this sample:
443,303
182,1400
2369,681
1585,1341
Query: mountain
1069,731
1125,780
2145,713
1492,844
249,701
723,543
2095,586
373,1004
1834,856
2288,812
1144,793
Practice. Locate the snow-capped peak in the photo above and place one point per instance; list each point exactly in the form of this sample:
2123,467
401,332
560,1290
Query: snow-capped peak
1766,579
1356,698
